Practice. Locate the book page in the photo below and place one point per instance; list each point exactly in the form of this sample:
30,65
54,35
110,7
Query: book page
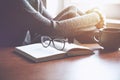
37,50
69,46
72,49
72,46
76,50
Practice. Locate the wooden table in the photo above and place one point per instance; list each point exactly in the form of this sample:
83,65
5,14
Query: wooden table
99,66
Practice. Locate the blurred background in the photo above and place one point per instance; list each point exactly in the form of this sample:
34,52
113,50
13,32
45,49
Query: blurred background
111,8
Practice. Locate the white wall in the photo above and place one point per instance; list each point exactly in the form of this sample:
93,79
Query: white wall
54,6
112,11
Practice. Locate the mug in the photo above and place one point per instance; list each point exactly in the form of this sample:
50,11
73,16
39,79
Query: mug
108,38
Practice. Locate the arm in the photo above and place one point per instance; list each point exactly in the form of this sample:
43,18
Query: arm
77,25
45,12
31,10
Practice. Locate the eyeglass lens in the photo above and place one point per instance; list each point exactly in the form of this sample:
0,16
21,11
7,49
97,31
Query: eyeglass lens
59,44
45,41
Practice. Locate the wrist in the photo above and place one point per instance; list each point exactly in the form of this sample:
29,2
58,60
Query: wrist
53,24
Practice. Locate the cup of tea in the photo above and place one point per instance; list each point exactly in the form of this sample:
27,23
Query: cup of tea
108,38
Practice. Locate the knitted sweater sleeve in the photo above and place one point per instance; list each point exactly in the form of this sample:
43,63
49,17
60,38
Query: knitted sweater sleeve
35,11
77,25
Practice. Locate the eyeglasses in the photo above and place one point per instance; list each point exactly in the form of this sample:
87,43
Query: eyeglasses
57,43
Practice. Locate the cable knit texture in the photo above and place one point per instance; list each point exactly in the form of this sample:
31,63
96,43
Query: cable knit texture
76,25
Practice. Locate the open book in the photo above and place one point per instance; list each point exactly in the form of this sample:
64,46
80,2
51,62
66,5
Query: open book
38,53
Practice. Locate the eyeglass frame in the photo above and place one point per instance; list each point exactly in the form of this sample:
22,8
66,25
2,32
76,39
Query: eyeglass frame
52,40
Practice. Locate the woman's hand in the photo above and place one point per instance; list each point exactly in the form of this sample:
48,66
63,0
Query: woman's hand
102,22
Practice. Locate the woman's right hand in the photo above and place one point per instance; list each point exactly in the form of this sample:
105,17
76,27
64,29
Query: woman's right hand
102,22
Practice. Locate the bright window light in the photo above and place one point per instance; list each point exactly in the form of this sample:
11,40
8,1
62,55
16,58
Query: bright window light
54,6
109,7
87,4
